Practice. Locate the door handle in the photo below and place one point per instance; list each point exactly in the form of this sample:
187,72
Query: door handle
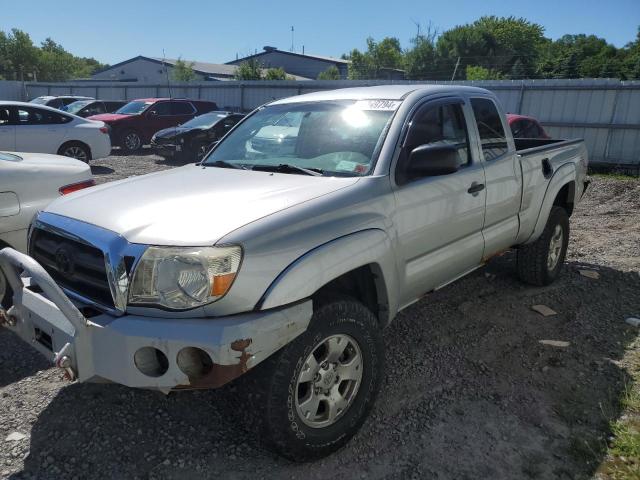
475,188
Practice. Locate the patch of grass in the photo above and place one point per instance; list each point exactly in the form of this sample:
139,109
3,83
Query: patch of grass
614,176
622,461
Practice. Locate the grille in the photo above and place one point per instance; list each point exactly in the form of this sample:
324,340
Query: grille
75,266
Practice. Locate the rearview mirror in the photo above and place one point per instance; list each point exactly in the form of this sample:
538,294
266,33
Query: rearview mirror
432,160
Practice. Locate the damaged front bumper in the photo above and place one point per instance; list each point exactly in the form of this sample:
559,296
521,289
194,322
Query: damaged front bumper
139,351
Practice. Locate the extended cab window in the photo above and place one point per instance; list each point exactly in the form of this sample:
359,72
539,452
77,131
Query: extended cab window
492,136
438,125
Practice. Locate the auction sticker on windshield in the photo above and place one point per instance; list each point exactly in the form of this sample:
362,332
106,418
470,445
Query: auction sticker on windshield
380,105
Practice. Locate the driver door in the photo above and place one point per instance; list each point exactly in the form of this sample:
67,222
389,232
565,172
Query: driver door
439,218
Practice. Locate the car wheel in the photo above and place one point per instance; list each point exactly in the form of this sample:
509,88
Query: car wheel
540,262
315,394
76,150
131,141
5,292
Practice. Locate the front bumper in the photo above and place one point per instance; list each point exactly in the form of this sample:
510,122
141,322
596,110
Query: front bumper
99,347
166,149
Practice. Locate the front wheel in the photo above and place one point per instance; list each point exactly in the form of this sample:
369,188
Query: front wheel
540,262
131,141
316,393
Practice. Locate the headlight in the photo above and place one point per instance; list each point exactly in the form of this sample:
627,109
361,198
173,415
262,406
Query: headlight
181,278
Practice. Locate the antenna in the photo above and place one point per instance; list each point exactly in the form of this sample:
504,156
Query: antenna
292,47
166,71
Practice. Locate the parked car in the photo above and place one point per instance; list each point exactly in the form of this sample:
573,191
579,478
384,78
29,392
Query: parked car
28,182
293,262
26,127
525,127
59,101
87,108
193,139
133,125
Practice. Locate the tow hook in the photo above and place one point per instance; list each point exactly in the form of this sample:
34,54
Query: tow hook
64,362
7,318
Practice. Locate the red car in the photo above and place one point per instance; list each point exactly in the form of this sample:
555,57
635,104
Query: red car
133,125
525,127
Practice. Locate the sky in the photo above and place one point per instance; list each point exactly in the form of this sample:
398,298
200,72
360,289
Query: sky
217,31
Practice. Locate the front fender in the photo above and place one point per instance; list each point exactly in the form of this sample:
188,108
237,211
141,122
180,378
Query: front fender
319,266
561,177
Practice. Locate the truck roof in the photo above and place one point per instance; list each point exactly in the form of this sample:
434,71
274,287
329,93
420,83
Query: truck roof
378,92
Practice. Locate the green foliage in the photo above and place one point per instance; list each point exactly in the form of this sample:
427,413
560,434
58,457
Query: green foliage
250,69
331,73
183,71
476,72
497,47
275,74
378,56
20,59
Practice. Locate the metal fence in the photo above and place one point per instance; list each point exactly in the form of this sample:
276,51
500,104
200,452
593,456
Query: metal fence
606,113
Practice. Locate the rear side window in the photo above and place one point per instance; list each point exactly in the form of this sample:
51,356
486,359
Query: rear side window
492,136
182,108
35,116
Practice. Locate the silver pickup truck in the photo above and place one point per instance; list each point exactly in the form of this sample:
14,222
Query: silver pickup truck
289,249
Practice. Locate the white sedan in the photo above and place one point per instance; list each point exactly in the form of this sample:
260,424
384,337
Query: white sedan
28,183
28,127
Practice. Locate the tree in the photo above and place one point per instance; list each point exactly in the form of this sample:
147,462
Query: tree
495,43
22,54
183,71
381,55
250,69
331,73
476,72
275,74
422,61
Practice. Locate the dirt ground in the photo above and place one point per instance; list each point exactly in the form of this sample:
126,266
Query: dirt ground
470,392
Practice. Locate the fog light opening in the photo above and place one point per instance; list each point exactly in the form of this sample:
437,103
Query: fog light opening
151,361
194,362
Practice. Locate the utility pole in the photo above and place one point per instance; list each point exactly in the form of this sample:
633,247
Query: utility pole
455,69
292,46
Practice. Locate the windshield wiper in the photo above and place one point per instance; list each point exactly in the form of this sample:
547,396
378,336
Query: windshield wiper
287,167
224,164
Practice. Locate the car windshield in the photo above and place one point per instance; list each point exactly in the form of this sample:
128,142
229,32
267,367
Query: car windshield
9,157
75,107
207,120
40,100
337,138
133,108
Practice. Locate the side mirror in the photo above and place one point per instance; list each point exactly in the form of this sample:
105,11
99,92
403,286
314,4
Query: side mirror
432,160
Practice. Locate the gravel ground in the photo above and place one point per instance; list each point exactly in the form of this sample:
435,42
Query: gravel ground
470,391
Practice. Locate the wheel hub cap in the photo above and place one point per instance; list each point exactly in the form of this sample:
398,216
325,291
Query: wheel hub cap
329,380
555,247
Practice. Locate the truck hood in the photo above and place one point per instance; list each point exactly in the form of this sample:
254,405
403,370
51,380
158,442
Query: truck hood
109,117
191,206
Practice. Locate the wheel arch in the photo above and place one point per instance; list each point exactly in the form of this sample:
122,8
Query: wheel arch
360,264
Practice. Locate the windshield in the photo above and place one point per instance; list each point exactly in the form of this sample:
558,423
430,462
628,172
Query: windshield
75,107
207,120
40,100
9,157
133,108
334,138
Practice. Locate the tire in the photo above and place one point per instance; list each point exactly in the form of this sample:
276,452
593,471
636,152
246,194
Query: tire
6,293
279,387
131,141
77,150
540,262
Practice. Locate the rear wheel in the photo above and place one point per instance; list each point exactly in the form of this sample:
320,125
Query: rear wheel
540,262
76,150
315,394
131,141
